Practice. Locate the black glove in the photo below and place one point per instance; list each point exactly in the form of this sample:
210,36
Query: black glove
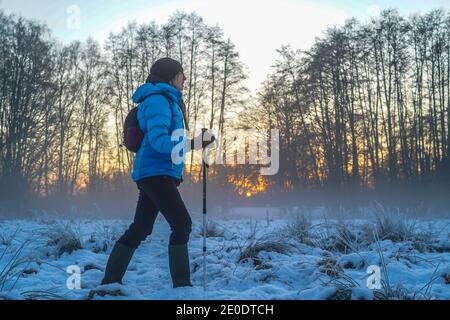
205,143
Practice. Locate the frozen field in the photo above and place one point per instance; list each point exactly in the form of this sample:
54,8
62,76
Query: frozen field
294,257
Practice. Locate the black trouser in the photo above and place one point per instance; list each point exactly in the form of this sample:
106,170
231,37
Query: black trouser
158,194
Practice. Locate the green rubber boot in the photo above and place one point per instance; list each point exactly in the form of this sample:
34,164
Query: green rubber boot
117,263
179,265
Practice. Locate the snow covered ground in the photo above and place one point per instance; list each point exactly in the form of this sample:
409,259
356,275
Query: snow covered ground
296,256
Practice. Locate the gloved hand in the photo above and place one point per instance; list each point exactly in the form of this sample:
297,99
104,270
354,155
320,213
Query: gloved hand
203,136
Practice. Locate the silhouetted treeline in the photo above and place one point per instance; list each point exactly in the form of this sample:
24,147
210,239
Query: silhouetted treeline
367,106
63,105
363,114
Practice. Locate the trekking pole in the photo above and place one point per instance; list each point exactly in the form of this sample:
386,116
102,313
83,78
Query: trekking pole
205,176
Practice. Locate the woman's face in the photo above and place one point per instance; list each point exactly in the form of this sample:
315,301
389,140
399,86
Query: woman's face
178,81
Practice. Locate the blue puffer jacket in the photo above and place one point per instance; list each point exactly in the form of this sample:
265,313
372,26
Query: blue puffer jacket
158,119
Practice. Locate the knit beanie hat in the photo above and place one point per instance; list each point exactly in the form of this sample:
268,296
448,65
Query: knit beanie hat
166,69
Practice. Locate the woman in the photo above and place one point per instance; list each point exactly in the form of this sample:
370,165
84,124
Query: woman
160,113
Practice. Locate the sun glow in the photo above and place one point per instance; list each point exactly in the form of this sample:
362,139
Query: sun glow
244,186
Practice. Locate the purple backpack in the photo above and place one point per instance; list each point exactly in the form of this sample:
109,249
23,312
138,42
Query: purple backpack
132,134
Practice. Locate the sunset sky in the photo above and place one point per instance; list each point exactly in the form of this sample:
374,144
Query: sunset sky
257,27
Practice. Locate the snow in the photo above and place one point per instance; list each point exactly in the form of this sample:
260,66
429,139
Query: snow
296,270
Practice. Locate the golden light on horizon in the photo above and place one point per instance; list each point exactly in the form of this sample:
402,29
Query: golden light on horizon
245,187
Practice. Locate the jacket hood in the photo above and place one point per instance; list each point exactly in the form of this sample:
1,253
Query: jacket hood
149,88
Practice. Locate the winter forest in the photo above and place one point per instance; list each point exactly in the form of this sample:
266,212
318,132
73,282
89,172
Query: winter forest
364,126
364,112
